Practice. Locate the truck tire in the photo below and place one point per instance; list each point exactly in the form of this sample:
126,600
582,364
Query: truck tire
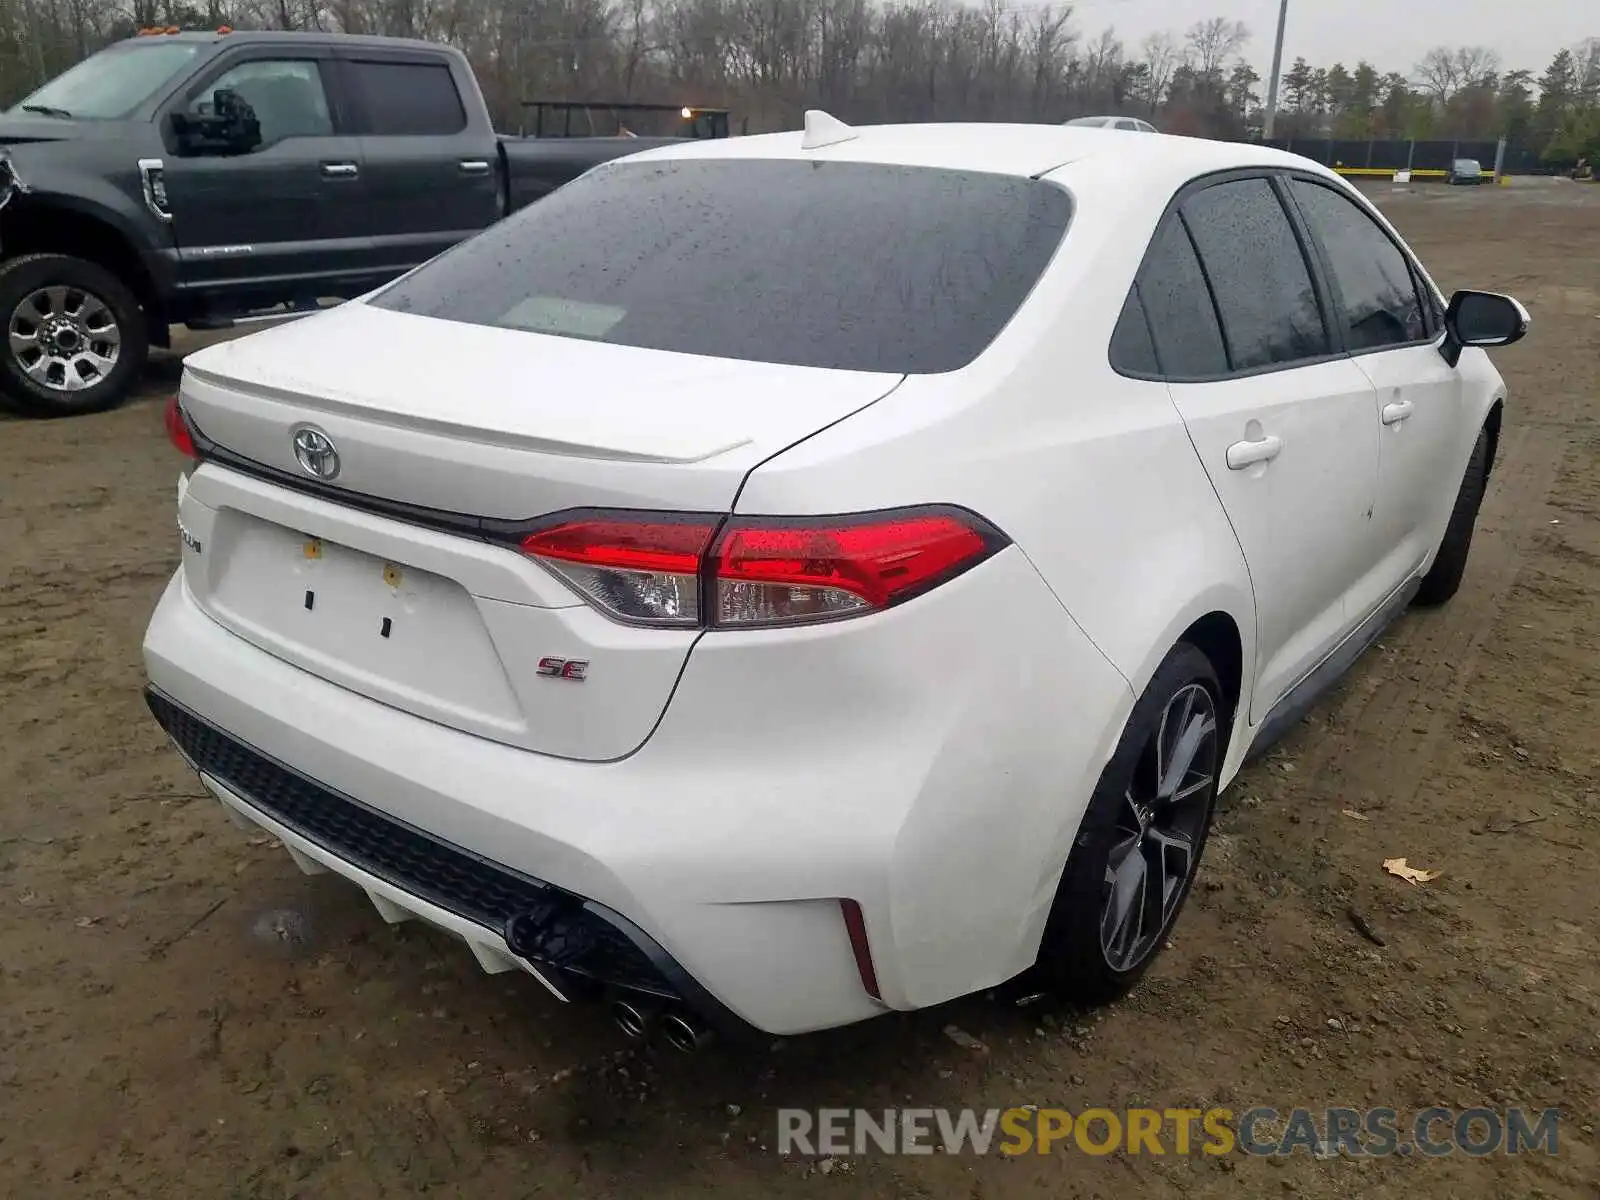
73,337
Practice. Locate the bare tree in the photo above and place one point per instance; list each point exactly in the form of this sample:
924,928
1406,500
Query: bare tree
1212,44
1161,59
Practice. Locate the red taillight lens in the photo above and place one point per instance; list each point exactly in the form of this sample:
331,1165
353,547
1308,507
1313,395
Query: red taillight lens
655,569
178,429
779,573
643,570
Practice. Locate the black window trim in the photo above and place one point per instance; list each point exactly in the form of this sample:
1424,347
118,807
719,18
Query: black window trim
346,59
1278,178
1419,281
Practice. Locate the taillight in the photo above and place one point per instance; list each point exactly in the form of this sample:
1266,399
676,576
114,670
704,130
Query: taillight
751,572
178,429
784,573
642,569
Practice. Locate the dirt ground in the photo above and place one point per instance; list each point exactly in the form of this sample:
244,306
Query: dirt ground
158,1035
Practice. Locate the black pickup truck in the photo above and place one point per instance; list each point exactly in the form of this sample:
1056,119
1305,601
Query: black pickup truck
205,178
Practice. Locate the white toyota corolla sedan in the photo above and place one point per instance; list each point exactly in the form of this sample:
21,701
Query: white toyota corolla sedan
778,580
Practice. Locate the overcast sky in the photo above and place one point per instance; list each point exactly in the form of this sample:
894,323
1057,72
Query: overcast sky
1390,34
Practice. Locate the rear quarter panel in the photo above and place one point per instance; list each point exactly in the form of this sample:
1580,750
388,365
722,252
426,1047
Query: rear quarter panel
1092,474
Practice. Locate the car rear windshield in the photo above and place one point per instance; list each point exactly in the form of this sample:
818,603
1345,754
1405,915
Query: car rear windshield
857,266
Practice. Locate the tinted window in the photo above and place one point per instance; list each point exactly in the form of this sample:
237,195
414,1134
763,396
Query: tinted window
286,96
827,264
1132,351
1370,274
1258,274
401,99
1182,320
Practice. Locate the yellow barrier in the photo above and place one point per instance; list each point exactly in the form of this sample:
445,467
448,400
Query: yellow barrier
1386,173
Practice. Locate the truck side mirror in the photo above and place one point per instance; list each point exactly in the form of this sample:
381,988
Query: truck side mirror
231,127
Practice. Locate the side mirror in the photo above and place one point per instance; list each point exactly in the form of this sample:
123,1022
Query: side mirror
1482,319
229,128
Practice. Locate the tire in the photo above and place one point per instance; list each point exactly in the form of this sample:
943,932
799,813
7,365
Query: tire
1443,579
73,337
1083,956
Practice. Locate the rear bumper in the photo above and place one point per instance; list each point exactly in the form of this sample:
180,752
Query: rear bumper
508,920
940,790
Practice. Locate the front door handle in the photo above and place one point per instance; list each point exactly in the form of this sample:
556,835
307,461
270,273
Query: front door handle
474,166
1393,414
1247,454
340,170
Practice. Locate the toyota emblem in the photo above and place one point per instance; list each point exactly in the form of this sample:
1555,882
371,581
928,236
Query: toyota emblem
315,453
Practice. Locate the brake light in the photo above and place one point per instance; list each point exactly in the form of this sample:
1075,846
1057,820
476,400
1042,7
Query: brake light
750,572
178,429
780,573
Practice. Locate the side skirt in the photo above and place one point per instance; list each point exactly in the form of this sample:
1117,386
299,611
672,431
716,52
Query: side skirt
1300,699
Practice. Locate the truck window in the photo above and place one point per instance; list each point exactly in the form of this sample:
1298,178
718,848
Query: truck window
286,96
402,99
110,85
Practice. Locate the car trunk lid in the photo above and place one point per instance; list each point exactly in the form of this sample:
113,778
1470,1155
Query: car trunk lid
399,577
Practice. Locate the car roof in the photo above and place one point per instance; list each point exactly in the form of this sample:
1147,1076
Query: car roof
1027,150
318,37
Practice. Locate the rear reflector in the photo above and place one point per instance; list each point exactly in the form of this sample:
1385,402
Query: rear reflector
856,926
178,429
749,572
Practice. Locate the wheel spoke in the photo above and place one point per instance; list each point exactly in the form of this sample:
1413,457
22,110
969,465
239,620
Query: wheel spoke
1199,728
1172,855
95,314
1122,924
55,299
98,367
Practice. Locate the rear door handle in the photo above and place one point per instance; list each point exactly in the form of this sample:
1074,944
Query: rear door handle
340,170
1393,414
1247,454
474,166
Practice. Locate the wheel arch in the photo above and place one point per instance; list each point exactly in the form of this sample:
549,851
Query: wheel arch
46,226
1220,623
1491,426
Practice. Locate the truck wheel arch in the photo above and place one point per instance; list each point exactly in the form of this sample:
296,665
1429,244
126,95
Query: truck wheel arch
46,225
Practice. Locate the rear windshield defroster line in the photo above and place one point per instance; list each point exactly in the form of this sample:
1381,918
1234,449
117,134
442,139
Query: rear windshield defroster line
853,266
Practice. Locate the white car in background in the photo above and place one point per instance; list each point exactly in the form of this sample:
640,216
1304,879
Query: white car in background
1131,124
779,580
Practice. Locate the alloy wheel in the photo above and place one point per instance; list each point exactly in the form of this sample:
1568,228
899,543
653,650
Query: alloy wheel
1159,828
63,338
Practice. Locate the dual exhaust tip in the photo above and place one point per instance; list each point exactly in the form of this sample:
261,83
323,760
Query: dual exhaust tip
680,1029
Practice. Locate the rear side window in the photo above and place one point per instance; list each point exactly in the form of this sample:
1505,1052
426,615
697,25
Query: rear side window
1132,350
1373,279
1258,274
407,98
857,266
1183,321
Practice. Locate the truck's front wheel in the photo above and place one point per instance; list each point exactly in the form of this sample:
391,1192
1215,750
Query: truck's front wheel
73,340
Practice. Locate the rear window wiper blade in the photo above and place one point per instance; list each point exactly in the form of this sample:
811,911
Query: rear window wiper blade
46,110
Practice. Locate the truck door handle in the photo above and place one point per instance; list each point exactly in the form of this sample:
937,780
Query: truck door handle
340,170
474,166
1393,414
1247,454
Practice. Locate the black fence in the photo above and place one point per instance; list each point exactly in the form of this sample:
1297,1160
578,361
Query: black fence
1386,157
